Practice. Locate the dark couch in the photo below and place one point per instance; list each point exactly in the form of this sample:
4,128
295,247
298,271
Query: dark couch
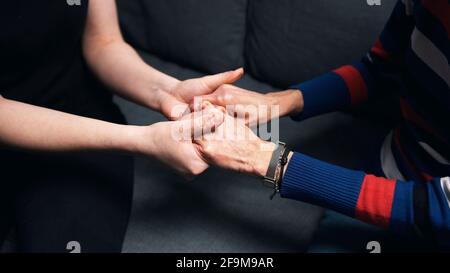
278,42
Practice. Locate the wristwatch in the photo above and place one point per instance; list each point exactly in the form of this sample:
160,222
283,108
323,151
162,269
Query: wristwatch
276,166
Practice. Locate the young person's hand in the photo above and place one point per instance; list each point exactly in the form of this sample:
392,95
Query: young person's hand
253,107
32,128
175,102
171,142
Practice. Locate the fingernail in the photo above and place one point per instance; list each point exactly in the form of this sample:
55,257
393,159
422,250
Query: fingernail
206,104
221,109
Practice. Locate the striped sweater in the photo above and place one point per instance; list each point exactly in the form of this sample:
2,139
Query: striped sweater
411,60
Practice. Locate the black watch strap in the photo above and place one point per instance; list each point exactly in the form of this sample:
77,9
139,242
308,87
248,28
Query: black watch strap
271,175
274,161
281,165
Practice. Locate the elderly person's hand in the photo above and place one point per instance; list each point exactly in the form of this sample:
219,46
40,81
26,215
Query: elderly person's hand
175,102
235,147
253,107
171,142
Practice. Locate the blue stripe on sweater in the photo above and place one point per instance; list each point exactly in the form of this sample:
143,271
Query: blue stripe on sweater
435,31
402,214
323,94
426,77
323,184
396,34
368,79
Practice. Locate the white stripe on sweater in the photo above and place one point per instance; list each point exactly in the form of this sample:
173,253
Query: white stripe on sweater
434,154
388,163
431,55
445,184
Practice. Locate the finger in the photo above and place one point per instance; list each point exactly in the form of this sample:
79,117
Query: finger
212,98
206,105
215,81
176,111
221,109
205,122
198,103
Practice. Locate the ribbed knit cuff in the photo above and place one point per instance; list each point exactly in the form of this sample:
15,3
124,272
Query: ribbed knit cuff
319,183
324,94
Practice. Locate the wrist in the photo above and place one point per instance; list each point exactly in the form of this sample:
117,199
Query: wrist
140,140
124,138
161,91
295,99
262,158
289,101
166,83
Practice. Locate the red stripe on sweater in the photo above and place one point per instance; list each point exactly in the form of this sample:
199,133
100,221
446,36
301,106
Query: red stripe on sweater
375,201
441,10
379,50
355,83
427,177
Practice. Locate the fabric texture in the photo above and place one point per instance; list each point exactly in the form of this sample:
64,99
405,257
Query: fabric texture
291,41
51,200
378,201
206,35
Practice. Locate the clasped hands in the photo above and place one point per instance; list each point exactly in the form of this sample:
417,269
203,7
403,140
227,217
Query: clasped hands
210,126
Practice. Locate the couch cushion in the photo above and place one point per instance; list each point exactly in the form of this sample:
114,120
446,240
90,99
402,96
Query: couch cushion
207,35
290,41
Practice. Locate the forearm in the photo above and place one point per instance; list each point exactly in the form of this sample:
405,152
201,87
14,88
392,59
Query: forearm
290,102
327,185
119,66
404,207
343,88
29,127
353,193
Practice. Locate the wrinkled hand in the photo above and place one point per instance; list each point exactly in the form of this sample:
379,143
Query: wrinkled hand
171,142
235,147
175,102
253,107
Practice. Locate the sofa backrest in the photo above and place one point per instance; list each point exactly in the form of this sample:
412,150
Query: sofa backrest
290,41
278,41
207,35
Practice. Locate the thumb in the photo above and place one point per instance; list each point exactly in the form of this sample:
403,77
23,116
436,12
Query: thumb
215,81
